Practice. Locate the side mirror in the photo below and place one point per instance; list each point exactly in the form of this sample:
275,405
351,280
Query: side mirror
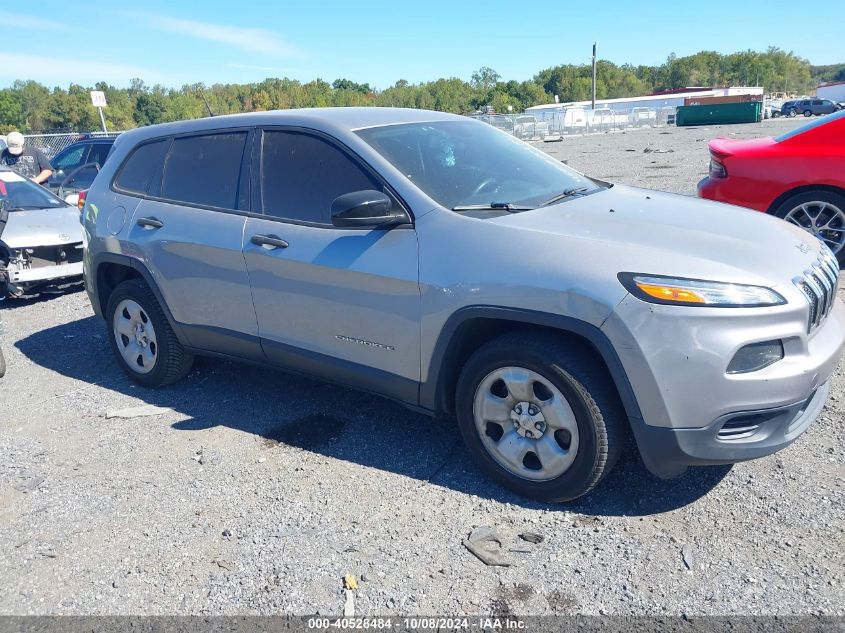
366,209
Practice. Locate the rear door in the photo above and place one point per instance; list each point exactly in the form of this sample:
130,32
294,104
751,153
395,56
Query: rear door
189,233
340,303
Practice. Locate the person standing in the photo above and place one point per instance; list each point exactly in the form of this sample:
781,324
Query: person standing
29,162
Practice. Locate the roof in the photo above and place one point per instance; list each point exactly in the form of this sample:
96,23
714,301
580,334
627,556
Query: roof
347,119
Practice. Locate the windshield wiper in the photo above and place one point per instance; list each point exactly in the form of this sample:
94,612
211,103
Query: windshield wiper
567,193
493,206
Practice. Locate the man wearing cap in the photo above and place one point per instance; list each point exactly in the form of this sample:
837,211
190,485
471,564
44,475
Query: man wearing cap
29,162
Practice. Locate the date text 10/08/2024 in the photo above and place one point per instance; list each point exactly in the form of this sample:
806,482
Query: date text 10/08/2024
509,623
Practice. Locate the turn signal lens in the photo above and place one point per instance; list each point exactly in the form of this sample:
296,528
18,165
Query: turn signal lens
670,293
698,292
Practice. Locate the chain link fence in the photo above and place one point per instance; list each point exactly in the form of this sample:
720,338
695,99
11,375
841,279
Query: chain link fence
52,144
555,123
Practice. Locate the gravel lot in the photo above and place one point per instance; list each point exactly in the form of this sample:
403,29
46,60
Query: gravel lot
258,492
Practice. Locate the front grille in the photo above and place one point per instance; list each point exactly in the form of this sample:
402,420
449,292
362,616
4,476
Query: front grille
819,285
44,256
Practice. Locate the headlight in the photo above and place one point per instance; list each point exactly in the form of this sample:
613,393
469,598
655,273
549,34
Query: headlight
698,292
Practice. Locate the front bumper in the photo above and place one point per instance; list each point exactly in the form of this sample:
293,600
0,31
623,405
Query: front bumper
43,274
732,438
692,410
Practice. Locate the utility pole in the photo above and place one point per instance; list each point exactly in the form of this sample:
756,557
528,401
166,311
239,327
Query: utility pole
594,75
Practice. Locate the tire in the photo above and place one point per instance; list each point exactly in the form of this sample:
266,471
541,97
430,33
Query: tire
2,363
808,113
157,358
775,114
564,385
793,113
826,205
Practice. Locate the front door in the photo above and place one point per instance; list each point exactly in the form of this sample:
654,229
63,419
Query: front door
340,303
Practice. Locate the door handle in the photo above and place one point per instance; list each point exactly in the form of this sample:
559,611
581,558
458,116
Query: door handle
269,242
150,223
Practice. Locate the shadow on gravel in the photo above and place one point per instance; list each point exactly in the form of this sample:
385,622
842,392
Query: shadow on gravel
10,303
341,424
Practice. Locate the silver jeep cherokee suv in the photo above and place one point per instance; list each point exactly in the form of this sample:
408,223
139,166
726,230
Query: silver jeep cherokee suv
439,262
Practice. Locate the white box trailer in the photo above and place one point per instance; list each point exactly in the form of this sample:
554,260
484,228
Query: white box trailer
835,91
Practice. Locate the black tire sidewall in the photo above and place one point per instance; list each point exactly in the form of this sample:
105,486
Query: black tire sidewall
819,195
578,477
138,292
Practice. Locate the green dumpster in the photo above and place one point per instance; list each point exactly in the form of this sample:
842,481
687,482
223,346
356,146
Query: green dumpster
720,113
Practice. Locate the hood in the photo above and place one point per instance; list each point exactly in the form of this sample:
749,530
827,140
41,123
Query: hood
42,227
724,147
637,230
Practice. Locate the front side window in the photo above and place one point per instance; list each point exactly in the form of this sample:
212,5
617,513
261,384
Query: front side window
459,163
204,170
141,167
301,175
72,157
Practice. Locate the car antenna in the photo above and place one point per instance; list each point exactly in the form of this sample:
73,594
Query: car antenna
205,101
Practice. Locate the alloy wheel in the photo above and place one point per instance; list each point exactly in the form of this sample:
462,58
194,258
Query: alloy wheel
525,423
823,219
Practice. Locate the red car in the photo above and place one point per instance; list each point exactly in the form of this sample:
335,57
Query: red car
798,176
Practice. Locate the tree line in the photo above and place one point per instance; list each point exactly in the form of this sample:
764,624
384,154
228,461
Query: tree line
31,107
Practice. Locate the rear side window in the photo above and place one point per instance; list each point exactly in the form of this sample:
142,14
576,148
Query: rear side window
301,175
204,170
141,167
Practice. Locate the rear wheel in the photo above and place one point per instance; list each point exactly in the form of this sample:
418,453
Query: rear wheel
540,415
143,342
820,213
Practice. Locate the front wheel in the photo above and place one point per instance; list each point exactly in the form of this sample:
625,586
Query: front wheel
793,113
2,363
540,415
141,338
820,213
808,113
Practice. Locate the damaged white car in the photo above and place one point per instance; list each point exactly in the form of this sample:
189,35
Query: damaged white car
41,244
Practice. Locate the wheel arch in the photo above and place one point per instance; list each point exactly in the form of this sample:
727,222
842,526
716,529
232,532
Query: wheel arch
802,189
470,327
111,269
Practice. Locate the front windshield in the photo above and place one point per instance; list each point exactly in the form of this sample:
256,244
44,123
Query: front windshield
21,193
464,163
809,126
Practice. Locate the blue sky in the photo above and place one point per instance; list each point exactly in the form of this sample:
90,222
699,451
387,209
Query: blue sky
58,42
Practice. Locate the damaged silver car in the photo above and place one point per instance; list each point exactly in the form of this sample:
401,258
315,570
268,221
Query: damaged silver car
41,244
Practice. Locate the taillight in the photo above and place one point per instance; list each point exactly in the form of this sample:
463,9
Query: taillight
717,169
81,202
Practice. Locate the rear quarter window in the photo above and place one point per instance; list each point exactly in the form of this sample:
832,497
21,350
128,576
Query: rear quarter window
141,167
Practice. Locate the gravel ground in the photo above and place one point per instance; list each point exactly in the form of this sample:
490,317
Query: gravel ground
670,159
258,492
